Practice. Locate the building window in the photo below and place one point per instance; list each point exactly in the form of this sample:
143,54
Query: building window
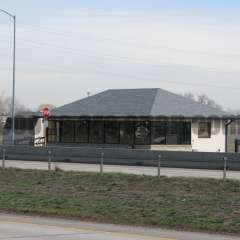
120,132
21,123
81,132
112,132
142,133
52,131
96,132
185,133
68,131
158,133
204,130
30,123
237,145
126,133
171,133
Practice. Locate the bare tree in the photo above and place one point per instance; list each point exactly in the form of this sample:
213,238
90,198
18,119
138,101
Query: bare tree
19,108
6,105
189,95
49,105
233,111
3,108
203,99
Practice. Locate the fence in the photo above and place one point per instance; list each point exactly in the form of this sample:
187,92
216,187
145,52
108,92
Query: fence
220,161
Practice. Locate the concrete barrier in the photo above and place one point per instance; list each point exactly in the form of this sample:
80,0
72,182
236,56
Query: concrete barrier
201,160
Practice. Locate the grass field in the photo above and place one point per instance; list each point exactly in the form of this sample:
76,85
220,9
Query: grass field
182,203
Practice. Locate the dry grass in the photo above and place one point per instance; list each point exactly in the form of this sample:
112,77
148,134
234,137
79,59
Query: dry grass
185,203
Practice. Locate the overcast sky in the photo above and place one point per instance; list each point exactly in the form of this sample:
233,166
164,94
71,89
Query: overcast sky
66,48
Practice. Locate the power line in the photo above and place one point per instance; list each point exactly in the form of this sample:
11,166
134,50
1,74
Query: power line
122,59
68,34
115,58
130,76
72,35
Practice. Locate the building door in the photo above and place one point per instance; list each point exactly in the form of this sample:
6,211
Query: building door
237,145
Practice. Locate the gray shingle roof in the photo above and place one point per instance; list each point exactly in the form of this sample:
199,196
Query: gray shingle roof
153,102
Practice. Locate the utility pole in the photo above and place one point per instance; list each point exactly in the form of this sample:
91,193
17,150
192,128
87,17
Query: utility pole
14,71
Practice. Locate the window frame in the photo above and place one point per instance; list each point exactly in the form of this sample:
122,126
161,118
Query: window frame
92,139
72,140
208,130
52,132
108,129
180,127
147,139
154,126
76,135
124,126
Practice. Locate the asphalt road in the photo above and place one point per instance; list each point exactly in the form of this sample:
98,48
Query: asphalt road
13,227
140,170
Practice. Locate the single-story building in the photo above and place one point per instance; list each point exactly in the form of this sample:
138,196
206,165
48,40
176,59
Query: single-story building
139,118
233,140
25,124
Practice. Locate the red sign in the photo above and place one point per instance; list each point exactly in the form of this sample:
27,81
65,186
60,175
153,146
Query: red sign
46,112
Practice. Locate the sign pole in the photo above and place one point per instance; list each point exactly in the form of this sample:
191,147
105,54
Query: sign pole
45,134
45,113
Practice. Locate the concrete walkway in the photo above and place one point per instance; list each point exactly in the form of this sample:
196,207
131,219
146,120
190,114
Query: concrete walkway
139,170
41,228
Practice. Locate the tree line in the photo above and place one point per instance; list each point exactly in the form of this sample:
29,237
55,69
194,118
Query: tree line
203,99
6,105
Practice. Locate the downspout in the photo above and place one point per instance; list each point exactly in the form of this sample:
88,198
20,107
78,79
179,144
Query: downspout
226,133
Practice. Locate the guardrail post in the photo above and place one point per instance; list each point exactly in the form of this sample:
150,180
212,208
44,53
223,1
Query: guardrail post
49,160
225,168
159,165
3,157
101,163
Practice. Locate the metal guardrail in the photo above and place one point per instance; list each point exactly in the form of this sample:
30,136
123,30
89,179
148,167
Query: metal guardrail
122,156
24,141
29,141
158,162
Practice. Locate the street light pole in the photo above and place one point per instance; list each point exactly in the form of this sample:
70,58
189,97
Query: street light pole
13,89
14,67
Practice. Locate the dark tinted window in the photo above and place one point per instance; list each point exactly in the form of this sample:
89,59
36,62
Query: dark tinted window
158,133
178,133
68,131
142,133
81,132
171,133
185,133
111,132
126,133
21,123
96,134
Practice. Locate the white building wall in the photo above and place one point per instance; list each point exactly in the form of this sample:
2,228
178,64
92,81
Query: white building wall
179,148
216,143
